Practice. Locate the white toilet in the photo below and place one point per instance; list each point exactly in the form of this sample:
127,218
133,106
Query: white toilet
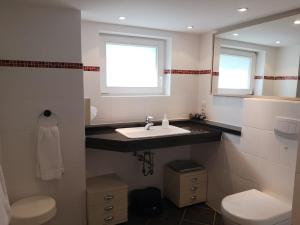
35,210
255,208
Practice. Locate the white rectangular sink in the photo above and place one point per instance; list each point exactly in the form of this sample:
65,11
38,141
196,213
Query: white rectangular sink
155,131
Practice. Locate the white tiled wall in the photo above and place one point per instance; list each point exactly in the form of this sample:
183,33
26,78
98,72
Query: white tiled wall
259,159
50,34
287,64
296,200
126,109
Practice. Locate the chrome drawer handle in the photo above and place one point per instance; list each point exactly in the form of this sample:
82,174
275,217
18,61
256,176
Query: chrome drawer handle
109,218
194,179
194,197
108,197
108,208
194,188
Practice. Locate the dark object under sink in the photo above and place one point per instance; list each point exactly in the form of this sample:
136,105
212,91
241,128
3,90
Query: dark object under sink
146,202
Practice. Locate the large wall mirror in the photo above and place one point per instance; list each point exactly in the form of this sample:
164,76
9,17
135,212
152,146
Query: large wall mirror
260,60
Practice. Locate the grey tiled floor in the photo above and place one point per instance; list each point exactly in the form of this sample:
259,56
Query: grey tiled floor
199,214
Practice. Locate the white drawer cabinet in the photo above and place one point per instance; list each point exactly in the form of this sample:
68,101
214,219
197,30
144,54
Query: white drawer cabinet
106,200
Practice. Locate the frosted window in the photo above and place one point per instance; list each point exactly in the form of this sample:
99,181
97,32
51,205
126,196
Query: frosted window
131,66
235,72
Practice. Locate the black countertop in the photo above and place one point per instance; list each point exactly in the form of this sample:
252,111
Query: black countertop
224,127
106,138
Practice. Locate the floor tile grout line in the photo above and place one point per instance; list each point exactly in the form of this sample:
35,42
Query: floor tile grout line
182,217
202,207
148,221
215,215
194,222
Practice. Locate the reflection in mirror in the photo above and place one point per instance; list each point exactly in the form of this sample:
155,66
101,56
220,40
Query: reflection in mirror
260,60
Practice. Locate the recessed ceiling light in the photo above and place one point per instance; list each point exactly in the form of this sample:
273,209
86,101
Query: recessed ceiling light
243,9
122,18
189,27
278,42
235,34
297,22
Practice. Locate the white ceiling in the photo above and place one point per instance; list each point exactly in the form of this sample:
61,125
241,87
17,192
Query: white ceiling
283,30
204,15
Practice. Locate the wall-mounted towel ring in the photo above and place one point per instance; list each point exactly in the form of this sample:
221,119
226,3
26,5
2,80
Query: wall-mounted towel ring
47,113
47,117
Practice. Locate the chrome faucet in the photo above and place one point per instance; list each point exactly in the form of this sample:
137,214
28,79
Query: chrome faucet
149,122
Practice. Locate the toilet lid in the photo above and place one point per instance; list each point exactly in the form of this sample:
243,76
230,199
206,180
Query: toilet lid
34,210
255,208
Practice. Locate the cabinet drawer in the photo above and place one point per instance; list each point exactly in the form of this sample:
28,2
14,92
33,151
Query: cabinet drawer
194,178
108,198
108,210
96,216
195,187
190,198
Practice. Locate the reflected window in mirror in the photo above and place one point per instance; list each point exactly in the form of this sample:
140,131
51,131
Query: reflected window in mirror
236,71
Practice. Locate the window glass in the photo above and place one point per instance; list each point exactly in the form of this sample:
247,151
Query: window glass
235,72
131,66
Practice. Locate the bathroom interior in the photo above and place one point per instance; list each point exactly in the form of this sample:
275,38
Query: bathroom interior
149,112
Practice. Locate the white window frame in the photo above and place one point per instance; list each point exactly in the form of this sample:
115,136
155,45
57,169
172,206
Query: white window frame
244,53
159,44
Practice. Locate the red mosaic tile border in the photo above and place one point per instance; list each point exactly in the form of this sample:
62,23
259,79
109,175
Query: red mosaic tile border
91,68
277,77
258,77
269,78
40,64
187,72
45,64
67,65
287,78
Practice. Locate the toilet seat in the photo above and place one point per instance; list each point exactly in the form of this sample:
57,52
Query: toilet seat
33,210
255,208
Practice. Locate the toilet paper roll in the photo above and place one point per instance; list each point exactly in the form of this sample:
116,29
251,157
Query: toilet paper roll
94,112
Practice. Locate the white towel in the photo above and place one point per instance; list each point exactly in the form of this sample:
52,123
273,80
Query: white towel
49,158
4,202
